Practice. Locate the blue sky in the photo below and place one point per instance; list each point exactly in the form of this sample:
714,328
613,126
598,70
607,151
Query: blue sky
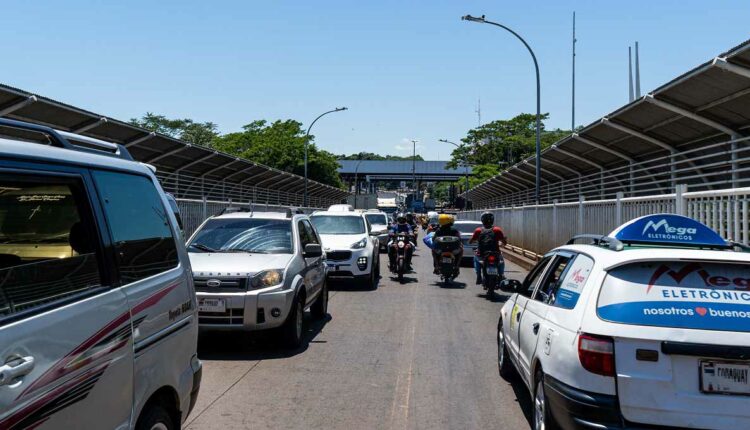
404,69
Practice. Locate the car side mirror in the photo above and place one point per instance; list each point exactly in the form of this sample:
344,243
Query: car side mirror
510,285
313,250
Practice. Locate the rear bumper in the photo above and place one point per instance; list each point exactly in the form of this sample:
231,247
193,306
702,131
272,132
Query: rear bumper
577,409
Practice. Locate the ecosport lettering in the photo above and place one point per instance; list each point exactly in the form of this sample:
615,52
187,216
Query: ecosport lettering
670,233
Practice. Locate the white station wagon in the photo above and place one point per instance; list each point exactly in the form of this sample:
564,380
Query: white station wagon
644,328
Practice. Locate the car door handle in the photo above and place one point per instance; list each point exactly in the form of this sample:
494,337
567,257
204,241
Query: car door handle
15,368
535,327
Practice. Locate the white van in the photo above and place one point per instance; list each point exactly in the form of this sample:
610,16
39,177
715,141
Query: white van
98,326
648,327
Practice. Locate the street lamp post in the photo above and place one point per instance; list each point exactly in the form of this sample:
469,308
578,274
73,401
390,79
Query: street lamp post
538,180
414,171
356,184
307,140
466,165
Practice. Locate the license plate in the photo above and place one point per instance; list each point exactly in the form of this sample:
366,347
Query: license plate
447,260
725,378
492,270
212,305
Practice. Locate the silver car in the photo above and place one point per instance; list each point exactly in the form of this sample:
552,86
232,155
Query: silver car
467,228
258,271
379,224
98,327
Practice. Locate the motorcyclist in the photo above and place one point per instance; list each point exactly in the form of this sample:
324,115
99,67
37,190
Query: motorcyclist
446,228
401,227
411,220
490,238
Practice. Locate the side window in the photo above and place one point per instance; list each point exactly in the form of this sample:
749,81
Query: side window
48,243
569,290
528,284
551,282
304,237
311,232
139,224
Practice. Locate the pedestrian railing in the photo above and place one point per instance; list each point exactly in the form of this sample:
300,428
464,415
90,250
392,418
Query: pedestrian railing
539,228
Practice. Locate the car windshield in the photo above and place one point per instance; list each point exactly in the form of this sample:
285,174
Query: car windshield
377,219
261,236
466,227
330,224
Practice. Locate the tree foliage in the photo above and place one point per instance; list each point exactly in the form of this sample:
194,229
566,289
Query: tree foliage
372,156
499,144
196,133
281,145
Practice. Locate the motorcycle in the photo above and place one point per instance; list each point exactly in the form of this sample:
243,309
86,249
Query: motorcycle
447,248
491,277
401,243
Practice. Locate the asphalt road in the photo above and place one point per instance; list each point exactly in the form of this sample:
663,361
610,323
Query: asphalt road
412,356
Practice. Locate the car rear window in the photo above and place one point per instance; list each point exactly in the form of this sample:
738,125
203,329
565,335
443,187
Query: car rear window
680,294
466,227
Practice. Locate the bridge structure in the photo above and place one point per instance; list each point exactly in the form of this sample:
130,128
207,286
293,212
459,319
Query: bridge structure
354,172
681,148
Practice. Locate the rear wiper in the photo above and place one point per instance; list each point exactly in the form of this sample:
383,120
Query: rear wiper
202,247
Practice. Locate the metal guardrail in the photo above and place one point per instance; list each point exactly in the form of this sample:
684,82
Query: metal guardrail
199,188
706,167
539,228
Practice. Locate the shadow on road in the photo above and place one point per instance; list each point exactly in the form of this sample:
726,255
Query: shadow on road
261,345
496,298
522,397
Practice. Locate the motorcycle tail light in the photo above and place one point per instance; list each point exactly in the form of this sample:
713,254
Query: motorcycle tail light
491,259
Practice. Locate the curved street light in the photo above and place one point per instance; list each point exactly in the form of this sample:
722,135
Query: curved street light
538,163
466,165
307,140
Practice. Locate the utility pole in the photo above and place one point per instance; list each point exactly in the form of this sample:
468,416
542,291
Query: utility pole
637,73
573,97
630,74
414,169
479,112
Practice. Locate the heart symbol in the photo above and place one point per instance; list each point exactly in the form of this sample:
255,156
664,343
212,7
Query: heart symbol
701,311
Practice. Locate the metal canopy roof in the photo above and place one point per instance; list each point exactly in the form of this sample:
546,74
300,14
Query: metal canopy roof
401,169
168,154
708,104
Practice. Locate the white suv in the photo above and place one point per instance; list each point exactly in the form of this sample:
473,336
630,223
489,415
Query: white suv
649,326
98,327
258,271
350,244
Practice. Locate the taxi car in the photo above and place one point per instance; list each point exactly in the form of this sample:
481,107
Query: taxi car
648,327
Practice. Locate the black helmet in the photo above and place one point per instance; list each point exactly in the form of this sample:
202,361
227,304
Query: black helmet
409,216
401,218
488,219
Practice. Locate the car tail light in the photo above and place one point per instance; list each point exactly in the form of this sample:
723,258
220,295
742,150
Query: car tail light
597,354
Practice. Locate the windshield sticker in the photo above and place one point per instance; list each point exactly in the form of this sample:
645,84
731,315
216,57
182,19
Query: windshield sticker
572,285
694,295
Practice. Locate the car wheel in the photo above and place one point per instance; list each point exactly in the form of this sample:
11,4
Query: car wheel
377,267
542,418
319,309
504,365
155,418
291,331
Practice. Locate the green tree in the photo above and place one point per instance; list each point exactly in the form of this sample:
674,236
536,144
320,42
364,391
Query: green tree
196,133
281,145
372,156
503,142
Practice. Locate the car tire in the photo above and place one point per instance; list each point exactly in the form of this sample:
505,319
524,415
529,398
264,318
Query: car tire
294,327
542,417
319,309
155,418
504,365
377,266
